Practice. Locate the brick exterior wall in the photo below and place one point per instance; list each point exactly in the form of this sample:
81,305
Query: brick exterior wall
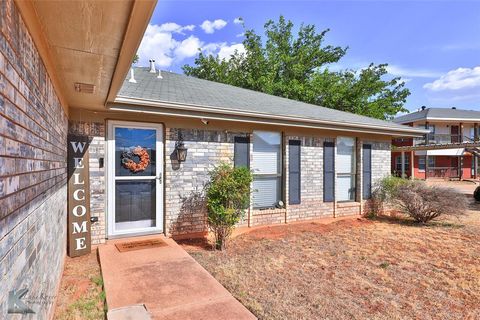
185,212
381,155
33,177
184,183
311,181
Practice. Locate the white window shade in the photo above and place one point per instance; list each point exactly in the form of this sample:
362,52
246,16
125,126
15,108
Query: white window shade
267,169
265,162
345,155
345,187
345,168
266,153
266,192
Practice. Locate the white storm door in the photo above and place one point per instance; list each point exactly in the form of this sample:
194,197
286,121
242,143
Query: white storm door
135,178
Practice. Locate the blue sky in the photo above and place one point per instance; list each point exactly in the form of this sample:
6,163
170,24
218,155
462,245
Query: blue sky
433,45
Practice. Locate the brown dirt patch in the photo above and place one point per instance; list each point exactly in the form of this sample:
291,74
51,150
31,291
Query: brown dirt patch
281,231
354,269
81,294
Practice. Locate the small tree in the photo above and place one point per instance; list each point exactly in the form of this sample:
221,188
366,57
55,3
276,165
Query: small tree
424,203
228,195
135,59
383,194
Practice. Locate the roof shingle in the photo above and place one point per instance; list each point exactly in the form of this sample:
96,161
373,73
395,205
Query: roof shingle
186,90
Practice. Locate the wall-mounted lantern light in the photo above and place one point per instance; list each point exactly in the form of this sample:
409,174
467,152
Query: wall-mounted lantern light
180,149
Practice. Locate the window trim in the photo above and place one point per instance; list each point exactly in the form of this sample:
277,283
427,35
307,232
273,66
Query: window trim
398,162
424,163
353,173
280,173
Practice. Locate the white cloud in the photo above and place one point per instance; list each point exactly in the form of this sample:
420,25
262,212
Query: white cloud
238,20
157,44
212,48
411,73
240,35
175,28
188,48
461,46
461,78
226,51
210,26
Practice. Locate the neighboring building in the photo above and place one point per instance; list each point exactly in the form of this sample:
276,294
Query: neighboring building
87,155
449,150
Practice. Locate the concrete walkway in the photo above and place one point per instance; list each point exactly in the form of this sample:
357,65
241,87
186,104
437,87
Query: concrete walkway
465,187
168,281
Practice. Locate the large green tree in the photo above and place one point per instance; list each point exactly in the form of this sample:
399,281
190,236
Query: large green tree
297,67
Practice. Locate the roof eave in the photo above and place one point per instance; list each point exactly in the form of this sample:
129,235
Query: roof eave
183,110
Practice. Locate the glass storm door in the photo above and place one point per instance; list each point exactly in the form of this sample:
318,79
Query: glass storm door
135,201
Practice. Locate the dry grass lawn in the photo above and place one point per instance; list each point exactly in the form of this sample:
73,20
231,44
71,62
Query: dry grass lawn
354,269
81,295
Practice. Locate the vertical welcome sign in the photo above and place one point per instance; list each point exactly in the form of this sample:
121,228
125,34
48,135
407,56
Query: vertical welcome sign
79,237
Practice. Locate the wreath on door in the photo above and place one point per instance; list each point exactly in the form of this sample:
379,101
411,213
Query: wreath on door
128,159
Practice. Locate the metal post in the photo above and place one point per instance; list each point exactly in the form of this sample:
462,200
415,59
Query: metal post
460,131
412,165
427,136
475,166
460,167
403,165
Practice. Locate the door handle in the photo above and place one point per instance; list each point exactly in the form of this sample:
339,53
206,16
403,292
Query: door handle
159,177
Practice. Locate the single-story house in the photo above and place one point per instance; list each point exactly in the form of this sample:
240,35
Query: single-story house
87,153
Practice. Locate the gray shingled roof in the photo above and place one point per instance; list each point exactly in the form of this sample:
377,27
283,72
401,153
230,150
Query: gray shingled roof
186,90
439,113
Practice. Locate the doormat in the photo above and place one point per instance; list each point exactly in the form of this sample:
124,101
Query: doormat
140,244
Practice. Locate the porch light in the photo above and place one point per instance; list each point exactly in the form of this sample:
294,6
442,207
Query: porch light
180,149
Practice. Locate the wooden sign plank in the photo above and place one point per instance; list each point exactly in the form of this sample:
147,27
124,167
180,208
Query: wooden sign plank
79,226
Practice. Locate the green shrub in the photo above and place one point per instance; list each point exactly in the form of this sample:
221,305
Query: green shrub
383,193
228,195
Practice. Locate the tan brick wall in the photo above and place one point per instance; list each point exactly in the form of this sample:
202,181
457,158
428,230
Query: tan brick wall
185,211
184,182
311,181
33,194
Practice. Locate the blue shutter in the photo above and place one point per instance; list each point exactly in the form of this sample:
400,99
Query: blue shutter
241,151
328,171
294,171
367,171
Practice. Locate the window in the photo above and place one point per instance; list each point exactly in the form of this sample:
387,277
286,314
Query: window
267,169
345,163
241,152
294,167
398,163
421,163
431,161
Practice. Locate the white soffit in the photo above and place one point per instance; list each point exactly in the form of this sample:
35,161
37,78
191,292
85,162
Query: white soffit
441,152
